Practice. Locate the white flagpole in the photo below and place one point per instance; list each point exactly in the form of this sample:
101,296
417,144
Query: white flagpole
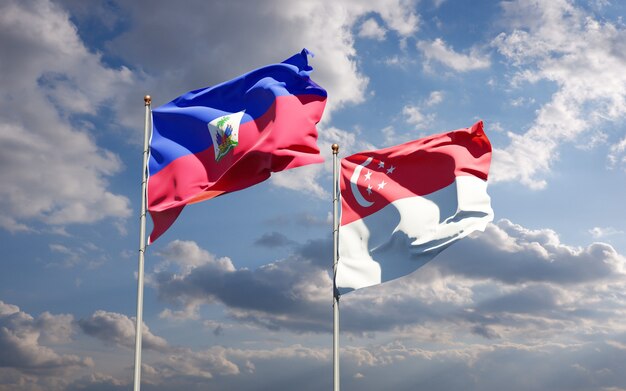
142,246
336,379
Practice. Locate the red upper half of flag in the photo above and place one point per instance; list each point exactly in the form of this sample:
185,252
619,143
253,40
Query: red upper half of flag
373,179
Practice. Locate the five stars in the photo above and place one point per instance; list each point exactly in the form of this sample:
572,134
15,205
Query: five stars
381,185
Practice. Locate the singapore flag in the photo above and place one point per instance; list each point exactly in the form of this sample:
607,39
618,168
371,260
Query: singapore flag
402,205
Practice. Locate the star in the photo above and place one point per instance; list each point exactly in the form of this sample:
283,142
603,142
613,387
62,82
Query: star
390,169
381,185
368,175
369,189
381,164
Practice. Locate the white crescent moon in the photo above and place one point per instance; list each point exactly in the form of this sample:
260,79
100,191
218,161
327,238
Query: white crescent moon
355,189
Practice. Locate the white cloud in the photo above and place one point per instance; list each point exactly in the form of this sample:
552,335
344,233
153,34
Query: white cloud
184,362
434,98
414,113
398,61
602,232
291,351
119,329
86,254
523,290
187,255
279,287
558,42
501,283
172,362
323,27
52,169
371,29
617,155
414,116
522,101
22,339
515,254
99,381
439,51
303,179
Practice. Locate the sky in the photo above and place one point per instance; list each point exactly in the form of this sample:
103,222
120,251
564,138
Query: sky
238,293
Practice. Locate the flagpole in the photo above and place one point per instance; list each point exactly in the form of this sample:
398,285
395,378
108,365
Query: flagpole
336,379
142,247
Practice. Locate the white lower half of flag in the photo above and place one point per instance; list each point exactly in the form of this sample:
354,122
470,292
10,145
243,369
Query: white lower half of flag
409,232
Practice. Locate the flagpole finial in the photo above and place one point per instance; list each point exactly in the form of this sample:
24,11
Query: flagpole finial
147,99
335,148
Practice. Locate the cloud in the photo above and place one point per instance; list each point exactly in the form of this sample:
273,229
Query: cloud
303,179
170,366
301,220
438,51
221,367
52,170
22,338
288,293
184,363
560,43
118,329
501,282
176,366
511,294
188,255
601,232
617,155
564,367
87,253
515,255
320,26
273,240
399,61
415,117
371,29
98,382
434,98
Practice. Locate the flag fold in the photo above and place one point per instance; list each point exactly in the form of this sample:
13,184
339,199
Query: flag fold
228,137
402,205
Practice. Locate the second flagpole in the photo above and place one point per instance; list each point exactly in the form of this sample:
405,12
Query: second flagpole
336,377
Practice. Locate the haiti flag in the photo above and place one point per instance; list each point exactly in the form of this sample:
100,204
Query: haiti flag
228,137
